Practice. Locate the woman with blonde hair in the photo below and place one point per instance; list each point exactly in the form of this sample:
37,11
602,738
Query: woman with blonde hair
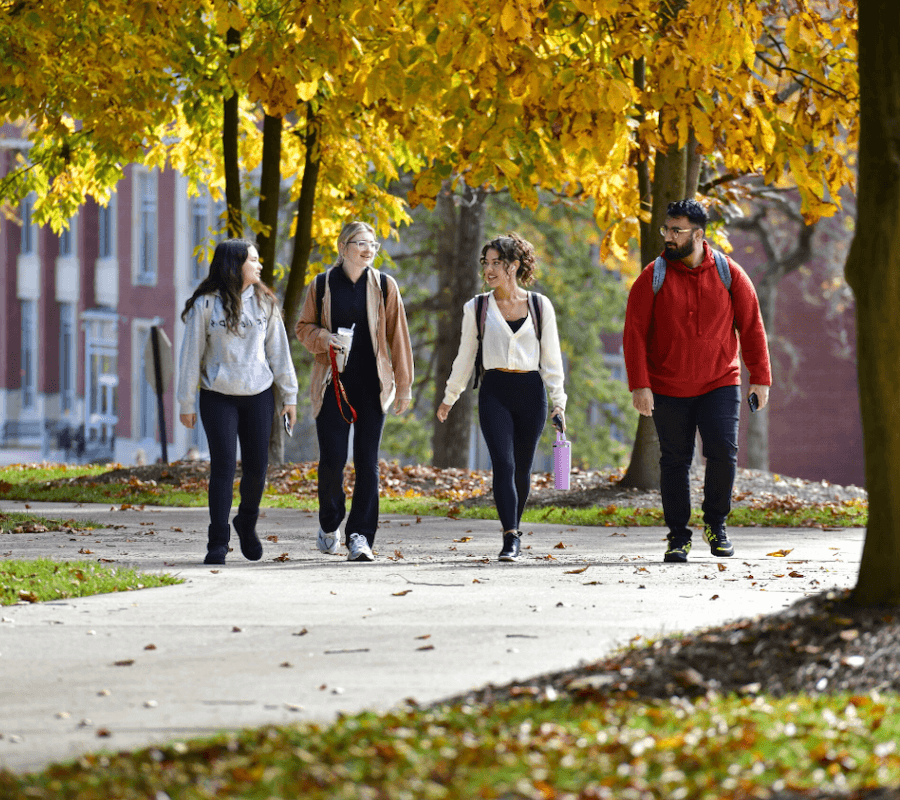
376,370
511,335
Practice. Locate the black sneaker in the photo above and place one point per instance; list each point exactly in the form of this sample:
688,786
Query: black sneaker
719,543
678,551
511,547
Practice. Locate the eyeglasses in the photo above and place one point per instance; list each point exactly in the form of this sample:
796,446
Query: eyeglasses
361,243
664,231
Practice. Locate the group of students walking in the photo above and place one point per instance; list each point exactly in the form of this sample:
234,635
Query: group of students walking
682,345
236,354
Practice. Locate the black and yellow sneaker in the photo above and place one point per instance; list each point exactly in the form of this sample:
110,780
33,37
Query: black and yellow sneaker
719,543
678,550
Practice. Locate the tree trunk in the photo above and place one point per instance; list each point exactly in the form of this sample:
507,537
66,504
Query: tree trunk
669,185
461,237
873,272
303,232
235,222
269,196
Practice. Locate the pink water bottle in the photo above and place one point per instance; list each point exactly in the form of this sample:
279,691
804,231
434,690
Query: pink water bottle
562,461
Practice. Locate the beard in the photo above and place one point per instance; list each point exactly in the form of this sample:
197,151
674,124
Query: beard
673,251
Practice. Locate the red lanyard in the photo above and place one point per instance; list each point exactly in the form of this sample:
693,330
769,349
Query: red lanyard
339,389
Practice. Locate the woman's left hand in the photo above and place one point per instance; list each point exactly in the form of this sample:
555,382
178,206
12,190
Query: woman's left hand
400,405
291,411
562,415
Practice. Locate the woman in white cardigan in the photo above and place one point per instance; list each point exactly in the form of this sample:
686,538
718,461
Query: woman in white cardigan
521,366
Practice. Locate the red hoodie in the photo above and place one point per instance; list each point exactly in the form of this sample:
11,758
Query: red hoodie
682,342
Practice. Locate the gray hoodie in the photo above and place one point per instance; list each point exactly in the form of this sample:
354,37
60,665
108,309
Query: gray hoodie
248,363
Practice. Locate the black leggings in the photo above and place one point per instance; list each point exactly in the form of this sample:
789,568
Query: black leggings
227,419
512,410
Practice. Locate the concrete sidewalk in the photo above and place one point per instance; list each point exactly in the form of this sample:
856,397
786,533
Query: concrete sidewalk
301,636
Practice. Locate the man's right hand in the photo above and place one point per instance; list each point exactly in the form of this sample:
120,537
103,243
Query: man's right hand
642,400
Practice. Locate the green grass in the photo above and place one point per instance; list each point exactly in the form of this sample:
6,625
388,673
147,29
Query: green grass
29,484
23,522
525,748
42,579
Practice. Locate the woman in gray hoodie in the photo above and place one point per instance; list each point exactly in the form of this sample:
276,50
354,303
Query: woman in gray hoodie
235,349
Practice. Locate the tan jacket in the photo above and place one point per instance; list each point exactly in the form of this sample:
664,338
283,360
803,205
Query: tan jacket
390,339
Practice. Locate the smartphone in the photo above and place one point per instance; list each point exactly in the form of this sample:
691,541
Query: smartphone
556,419
753,402
288,428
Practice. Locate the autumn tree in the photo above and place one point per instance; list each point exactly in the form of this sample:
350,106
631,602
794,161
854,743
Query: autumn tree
873,272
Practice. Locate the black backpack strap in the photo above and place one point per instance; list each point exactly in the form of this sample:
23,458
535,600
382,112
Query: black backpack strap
480,314
320,295
534,305
384,286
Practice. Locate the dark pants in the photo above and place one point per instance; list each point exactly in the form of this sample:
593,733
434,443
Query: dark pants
716,415
334,435
512,410
227,420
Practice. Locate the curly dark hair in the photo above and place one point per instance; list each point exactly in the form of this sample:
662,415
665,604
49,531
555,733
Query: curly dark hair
513,247
691,209
226,280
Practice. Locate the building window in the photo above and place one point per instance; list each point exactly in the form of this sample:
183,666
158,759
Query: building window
29,353
147,228
199,238
106,230
147,406
29,229
101,344
65,241
67,342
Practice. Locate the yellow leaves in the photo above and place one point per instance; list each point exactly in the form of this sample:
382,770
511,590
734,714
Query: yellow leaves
766,134
619,96
702,128
513,21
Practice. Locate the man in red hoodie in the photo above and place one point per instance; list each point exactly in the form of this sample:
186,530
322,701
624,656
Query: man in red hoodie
685,328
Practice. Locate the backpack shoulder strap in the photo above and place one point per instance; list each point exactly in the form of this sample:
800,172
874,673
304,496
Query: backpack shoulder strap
320,295
384,284
659,274
723,269
534,306
481,305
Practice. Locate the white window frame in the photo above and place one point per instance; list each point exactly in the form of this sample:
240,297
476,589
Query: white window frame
68,357
106,271
145,227
29,242
144,422
29,358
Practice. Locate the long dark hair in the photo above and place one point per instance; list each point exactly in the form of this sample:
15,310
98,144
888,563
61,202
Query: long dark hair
226,278
513,247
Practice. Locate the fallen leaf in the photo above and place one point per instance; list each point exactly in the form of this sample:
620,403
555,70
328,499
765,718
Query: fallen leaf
85,551
150,647
575,571
271,538
714,597
283,557
125,662
426,636
301,632
559,546
463,539
780,553
28,597
104,732
722,568
402,593
285,664
795,574
426,647
235,629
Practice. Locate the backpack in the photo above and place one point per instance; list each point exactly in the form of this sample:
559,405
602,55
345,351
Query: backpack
481,304
659,272
320,293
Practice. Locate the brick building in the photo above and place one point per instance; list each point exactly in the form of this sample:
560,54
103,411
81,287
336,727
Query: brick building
78,309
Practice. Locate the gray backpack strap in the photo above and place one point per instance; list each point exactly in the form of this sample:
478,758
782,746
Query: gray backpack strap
659,273
723,268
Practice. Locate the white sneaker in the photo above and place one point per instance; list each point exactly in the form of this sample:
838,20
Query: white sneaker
359,548
328,542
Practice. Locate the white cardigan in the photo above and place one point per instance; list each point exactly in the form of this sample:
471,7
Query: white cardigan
503,348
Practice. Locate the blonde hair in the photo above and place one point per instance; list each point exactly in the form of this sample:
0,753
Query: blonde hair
348,232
